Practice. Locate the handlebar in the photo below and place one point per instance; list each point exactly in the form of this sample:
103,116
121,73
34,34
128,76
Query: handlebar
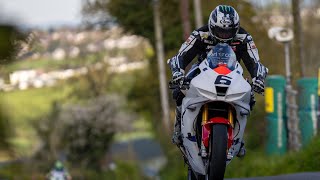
183,84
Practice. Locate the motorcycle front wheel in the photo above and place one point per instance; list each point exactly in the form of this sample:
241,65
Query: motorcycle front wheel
191,175
218,152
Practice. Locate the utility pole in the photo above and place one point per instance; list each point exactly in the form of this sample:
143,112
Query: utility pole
286,36
291,106
161,66
184,11
198,13
298,43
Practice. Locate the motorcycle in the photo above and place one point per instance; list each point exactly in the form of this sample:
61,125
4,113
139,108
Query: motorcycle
214,113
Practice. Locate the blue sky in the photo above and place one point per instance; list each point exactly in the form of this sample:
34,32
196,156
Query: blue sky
41,13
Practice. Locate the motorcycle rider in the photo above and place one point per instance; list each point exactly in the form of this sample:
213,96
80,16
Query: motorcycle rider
58,172
223,27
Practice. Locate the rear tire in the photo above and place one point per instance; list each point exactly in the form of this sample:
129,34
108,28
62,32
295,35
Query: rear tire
218,154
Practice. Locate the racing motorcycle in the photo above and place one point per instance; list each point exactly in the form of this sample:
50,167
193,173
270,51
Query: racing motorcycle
214,113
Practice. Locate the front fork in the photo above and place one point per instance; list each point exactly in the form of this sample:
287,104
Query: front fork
207,125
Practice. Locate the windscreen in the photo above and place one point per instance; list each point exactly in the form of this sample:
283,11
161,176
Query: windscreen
222,55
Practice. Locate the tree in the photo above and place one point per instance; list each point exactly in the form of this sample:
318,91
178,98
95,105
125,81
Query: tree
185,18
82,132
298,42
10,36
136,17
9,46
5,130
311,25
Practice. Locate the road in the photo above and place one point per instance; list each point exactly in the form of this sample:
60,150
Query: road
299,176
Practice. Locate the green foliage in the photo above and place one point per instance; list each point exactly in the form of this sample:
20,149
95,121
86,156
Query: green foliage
175,168
255,131
258,164
13,171
122,171
27,171
82,132
125,171
9,38
93,84
144,96
21,107
136,16
312,54
6,130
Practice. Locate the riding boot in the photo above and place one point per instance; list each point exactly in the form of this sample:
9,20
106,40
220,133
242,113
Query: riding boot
177,138
242,151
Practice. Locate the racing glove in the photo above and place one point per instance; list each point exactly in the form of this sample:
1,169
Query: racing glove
258,84
178,77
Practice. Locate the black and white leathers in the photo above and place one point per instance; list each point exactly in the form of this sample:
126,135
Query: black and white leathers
200,43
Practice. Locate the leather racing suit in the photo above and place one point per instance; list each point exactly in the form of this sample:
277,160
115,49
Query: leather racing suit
200,43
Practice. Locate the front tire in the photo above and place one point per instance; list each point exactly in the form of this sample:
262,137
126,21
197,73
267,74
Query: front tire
191,175
218,153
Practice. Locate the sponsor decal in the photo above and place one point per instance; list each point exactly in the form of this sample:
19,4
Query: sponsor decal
269,103
252,45
249,38
195,33
226,21
221,54
235,43
184,45
204,35
192,138
209,42
188,41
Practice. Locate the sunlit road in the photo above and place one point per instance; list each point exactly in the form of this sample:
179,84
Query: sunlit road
299,176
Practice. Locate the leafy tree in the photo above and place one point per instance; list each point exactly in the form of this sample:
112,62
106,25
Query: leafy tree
9,42
136,16
82,132
9,46
5,130
311,26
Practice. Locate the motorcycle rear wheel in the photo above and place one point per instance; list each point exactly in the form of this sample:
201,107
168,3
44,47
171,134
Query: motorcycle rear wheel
218,152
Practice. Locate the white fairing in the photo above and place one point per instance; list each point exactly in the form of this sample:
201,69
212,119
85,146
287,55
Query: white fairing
203,90
57,175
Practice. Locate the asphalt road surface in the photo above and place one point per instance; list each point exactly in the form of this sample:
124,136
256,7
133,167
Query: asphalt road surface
299,176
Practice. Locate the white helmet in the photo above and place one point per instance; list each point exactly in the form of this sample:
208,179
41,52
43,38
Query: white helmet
224,23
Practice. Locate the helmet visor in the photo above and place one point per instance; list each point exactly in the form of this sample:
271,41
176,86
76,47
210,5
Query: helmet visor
224,33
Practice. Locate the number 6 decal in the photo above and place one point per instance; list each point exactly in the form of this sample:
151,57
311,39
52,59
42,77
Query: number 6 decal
221,79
